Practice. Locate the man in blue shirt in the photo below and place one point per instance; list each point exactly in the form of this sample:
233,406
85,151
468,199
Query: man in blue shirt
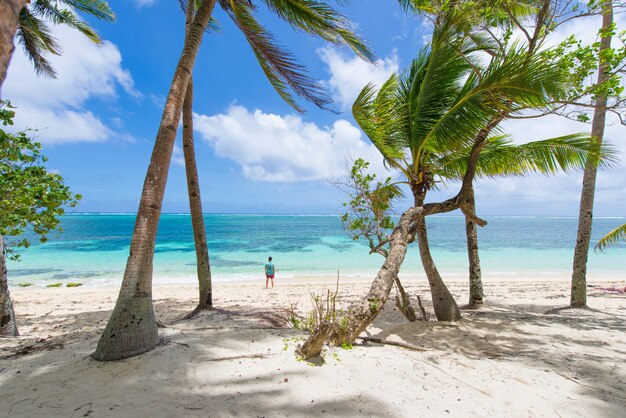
269,272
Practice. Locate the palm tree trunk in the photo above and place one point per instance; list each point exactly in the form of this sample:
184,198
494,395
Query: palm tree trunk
475,278
9,20
585,215
205,300
8,327
132,328
446,308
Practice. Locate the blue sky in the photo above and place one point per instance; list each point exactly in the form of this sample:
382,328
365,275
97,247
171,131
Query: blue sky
98,119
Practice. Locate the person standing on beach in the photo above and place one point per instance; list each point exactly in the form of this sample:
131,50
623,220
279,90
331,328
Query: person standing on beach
269,272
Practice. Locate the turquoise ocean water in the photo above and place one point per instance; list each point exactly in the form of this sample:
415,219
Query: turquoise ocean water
94,247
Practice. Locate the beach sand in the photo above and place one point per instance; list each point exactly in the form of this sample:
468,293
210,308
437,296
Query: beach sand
512,358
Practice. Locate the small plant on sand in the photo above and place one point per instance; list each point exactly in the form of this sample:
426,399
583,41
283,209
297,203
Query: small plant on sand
26,284
55,285
73,284
347,346
325,310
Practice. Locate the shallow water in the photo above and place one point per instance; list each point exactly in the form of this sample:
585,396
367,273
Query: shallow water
93,248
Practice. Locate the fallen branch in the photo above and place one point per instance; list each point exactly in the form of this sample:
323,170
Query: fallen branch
394,343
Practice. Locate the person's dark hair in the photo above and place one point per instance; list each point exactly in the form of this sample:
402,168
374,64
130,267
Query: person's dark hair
269,258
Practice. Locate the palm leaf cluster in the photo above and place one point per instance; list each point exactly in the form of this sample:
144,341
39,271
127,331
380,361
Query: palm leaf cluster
425,121
612,238
501,157
33,32
281,68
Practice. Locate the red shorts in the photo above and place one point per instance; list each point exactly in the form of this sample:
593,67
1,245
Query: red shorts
269,276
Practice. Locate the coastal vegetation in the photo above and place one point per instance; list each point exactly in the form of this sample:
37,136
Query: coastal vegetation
440,126
31,199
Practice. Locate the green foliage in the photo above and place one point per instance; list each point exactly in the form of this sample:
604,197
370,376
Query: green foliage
368,212
346,346
280,67
24,284
73,284
612,238
55,285
33,32
374,304
31,198
580,61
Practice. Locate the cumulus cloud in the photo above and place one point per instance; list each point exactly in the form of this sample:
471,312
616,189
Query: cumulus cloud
348,75
277,148
563,190
57,106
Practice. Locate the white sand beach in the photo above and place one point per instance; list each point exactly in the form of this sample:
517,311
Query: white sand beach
512,358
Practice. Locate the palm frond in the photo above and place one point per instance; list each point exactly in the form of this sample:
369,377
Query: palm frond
612,238
511,82
375,112
501,157
49,10
280,67
97,8
35,38
318,18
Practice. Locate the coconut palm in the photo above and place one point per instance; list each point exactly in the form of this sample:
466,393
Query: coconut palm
132,328
203,265
428,113
578,295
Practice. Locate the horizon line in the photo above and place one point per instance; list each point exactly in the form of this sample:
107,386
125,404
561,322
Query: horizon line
329,214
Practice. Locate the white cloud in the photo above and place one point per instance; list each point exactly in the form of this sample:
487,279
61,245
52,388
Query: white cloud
178,157
563,190
277,148
146,3
57,106
348,75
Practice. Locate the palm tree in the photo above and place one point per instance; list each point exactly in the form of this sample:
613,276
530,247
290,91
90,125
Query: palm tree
132,328
427,114
203,265
578,296
9,20
26,21
500,158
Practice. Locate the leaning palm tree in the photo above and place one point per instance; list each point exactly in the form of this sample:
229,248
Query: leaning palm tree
370,205
444,103
427,112
132,328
